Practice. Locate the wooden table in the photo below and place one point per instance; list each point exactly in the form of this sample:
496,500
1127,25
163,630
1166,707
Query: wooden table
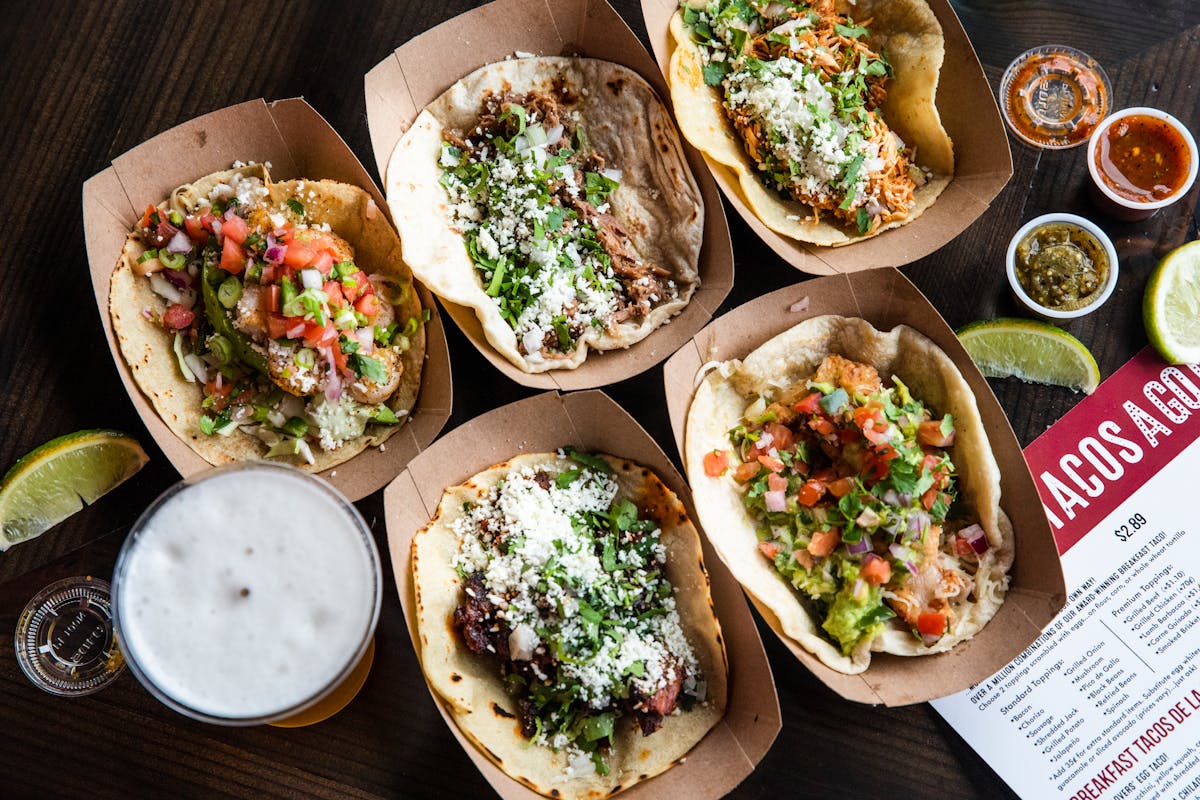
85,82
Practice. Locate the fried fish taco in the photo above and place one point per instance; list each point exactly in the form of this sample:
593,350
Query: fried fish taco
845,477
823,110
270,319
565,621
551,196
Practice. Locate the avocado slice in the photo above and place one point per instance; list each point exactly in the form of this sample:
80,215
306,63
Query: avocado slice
212,276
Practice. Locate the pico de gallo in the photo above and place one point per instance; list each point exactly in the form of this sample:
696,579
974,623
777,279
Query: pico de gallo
290,339
853,493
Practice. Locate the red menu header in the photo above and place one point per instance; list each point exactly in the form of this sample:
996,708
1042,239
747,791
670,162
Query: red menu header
1105,448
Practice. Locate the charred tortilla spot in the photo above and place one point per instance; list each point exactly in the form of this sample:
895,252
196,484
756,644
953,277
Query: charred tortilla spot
643,777
500,712
615,789
555,793
616,86
201,138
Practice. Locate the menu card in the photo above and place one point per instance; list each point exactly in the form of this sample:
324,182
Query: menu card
1106,702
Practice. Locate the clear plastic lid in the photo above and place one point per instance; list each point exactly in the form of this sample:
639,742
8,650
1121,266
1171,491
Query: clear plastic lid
1054,96
64,638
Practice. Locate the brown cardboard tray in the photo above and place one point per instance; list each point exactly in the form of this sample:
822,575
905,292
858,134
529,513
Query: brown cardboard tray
885,298
982,161
401,85
590,420
298,143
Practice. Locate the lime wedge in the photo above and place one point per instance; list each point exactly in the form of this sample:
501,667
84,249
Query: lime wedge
52,482
1171,305
1033,351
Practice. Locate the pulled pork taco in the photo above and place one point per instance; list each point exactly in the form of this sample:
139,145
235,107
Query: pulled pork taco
845,477
826,119
552,197
566,623
270,319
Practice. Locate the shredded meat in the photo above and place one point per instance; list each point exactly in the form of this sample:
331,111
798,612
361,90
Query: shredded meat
476,620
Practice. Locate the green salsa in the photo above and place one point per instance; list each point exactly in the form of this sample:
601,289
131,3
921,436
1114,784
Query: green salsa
1061,266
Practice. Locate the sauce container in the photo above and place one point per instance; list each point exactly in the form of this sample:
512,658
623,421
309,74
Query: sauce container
1050,252
1140,159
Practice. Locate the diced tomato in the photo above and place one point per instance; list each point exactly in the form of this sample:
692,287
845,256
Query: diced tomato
178,316
841,487
930,433
270,297
821,425
195,228
823,542
929,498
773,464
777,483
715,463
233,260
825,475
746,471
298,255
769,549
848,435
782,437
334,290
810,404
803,558
875,570
145,221
932,623
320,335
268,274
941,474
277,324
206,221
234,227
323,262
357,287
219,389
367,304
811,492
963,548
339,358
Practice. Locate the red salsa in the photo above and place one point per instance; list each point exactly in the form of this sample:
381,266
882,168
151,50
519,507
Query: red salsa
1142,158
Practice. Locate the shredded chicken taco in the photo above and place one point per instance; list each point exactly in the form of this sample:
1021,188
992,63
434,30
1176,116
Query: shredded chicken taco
270,319
845,477
824,110
565,621
552,197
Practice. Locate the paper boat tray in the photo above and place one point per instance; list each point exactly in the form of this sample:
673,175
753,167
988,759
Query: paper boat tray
299,143
885,298
592,421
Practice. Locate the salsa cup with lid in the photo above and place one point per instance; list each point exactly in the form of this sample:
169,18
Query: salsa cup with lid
1061,266
1140,159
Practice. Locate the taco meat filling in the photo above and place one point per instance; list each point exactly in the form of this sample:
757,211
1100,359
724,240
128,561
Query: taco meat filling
564,588
854,496
292,342
532,201
803,89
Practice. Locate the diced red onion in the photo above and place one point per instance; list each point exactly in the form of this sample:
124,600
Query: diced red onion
216,229
776,501
275,253
918,521
765,441
800,306
180,280
230,213
929,639
891,498
976,538
863,545
860,589
219,382
296,331
163,288
333,383
366,338
180,243
868,518
898,551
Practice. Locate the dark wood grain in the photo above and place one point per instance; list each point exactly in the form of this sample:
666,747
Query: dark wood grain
85,82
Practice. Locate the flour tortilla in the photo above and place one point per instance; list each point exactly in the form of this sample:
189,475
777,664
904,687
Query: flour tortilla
792,356
147,346
470,685
658,202
908,34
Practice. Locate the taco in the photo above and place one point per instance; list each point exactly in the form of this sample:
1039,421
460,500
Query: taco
552,197
565,621
828,122
270,319
845,476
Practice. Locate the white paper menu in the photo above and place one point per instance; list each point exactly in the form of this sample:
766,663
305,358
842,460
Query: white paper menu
1106,702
